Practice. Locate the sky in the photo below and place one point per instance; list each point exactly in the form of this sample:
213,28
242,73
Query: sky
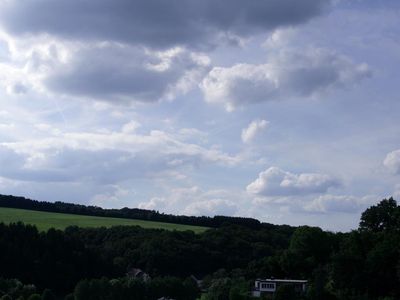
282,110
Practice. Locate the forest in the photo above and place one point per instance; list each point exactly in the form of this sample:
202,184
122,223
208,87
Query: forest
94,263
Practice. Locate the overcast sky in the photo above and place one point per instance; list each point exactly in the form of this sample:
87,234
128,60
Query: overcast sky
283,110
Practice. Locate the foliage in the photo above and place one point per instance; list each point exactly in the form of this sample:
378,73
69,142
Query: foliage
360,265
385,216
15,288
127,288
48,295
286,292
309,248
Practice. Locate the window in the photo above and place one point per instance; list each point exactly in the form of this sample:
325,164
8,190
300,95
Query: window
268,286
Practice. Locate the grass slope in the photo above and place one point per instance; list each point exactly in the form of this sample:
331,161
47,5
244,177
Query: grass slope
46,220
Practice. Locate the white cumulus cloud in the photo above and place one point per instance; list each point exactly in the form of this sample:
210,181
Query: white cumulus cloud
392,161
289,74
277,182
249,133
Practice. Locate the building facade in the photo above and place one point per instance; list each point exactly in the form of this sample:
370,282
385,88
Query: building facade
270,286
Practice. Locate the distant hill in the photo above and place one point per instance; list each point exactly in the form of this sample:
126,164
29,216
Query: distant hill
46,220
10,201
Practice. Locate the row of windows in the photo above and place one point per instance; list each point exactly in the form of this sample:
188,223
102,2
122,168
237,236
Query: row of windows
268,286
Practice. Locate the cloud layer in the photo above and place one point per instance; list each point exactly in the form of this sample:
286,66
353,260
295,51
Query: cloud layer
118,103
104,158
195,201
155,23
338,204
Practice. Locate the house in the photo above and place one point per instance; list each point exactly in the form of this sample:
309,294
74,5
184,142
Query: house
270,286
138,274
199,282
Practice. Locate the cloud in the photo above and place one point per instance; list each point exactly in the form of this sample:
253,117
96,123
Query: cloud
118,72
211,207
111,198
276,182
392,161
340,204
194,201
396,192
287,75
17,166
249,133
107,71
155,23
130,127
17,89
104,157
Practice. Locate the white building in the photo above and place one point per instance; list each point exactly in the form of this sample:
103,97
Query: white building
269,286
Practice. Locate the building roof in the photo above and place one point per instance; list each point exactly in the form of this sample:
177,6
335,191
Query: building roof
283,280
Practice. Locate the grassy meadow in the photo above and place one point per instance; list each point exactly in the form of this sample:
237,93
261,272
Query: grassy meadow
46,220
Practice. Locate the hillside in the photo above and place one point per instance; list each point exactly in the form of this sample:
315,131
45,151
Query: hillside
10,201
45,220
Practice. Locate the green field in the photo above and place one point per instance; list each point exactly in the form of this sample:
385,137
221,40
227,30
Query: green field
46,220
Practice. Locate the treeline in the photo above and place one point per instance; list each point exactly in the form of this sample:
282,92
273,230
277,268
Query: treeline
123,288
47,259
126,213
133,289
11,289
360,265
60,259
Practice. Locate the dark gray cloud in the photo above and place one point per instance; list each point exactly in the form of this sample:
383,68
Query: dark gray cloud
156,23
124,73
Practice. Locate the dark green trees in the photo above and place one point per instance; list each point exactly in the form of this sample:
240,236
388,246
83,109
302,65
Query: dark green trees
384,216
48,295
133,289
286,292
367,263
309,248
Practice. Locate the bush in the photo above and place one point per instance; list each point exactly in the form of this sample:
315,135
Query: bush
48,295
286,292
69,297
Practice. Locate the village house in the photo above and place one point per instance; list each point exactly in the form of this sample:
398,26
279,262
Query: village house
270,286
138,274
